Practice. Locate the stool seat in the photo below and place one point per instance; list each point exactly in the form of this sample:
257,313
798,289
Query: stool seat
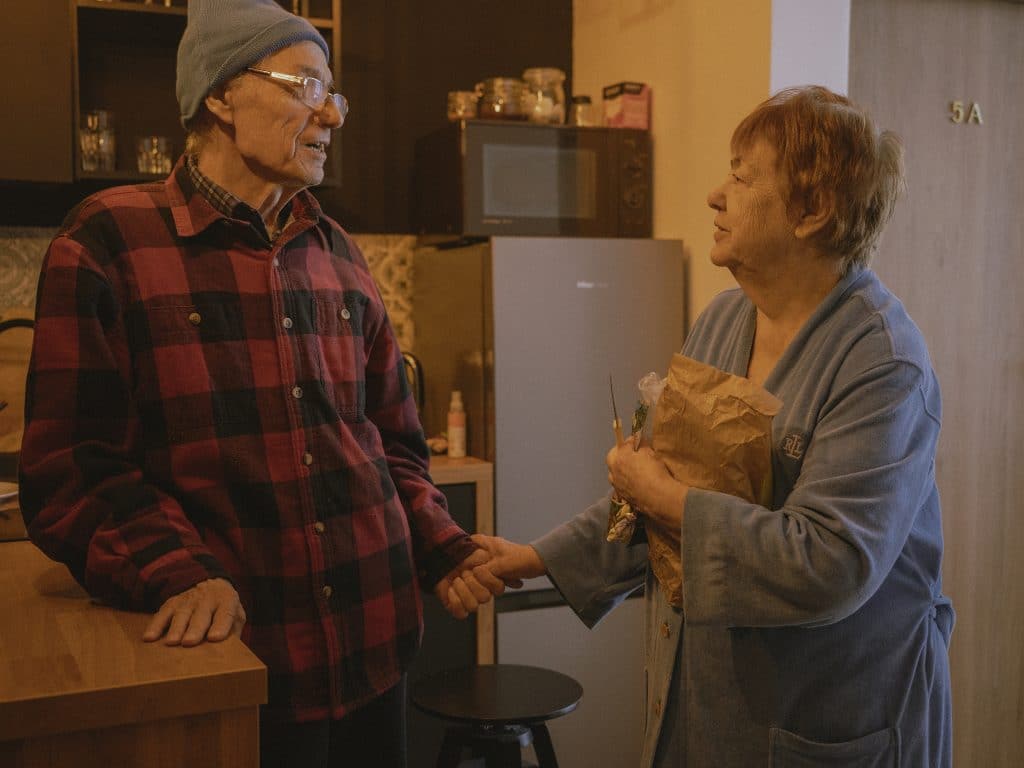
501,706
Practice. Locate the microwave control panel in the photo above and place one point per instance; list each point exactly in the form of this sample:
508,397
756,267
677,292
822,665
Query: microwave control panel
634,176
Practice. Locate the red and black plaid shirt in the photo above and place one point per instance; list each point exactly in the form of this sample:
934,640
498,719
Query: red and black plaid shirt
205,403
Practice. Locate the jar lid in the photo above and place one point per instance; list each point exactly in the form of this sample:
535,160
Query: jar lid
549,74
581,99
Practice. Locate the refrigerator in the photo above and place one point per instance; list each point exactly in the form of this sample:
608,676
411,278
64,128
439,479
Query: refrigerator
531,330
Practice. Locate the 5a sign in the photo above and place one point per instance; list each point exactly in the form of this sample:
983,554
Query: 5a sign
957,114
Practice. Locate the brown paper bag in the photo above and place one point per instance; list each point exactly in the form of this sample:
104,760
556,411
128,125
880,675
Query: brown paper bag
713,431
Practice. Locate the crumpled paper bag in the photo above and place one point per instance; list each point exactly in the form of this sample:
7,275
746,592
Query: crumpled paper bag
713,430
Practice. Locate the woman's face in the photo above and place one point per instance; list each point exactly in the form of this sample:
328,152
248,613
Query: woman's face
753,232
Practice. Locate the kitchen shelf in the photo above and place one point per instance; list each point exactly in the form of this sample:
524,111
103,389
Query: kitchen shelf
124,61
119,56
120,176
140,7
319,22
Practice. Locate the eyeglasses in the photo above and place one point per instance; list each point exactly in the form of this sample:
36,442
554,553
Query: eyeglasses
314,94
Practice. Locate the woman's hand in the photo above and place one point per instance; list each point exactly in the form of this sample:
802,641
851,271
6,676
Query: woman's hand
509,561
642,479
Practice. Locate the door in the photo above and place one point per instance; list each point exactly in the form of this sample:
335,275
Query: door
953,253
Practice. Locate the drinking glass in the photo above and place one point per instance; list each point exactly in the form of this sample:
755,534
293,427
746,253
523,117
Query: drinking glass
153,154
97,143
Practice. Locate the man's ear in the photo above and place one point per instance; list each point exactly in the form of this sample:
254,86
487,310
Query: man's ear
219,104
815,216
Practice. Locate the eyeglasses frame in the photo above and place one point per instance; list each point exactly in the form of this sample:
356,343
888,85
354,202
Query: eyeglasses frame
302,80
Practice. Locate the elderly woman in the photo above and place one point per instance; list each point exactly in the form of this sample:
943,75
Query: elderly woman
813,632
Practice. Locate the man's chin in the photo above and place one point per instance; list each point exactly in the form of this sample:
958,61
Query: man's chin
315,178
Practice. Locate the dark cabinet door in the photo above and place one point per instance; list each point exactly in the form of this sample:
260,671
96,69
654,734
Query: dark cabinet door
35,91
447,642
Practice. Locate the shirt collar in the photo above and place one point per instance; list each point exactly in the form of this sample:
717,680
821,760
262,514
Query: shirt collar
197,202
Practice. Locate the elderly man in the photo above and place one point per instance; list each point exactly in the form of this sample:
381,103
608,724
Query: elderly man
218,426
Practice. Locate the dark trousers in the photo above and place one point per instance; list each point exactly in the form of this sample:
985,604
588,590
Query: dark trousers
371,737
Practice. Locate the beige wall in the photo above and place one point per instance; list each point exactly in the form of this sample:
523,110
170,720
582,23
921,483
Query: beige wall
708,64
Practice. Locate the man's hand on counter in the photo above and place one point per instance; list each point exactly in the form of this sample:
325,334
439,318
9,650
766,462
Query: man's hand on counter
209,611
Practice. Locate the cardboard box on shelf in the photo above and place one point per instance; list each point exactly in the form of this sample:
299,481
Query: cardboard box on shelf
627,105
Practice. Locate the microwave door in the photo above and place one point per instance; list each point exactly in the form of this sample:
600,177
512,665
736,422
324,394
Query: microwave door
537,180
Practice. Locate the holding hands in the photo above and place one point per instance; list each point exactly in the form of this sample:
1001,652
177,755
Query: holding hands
468,586
636,474
487,572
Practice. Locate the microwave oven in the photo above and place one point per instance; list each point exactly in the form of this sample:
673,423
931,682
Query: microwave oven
502,177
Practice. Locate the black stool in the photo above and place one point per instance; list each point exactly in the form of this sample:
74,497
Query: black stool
502,708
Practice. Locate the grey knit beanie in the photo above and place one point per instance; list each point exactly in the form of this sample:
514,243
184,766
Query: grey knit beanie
223,37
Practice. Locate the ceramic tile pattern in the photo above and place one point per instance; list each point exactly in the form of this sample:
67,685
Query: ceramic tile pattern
389,256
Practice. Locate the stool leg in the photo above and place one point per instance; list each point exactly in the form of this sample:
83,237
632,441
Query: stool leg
502,753
451,748
543,747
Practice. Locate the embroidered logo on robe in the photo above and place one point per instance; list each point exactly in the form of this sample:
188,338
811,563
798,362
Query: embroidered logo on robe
793,445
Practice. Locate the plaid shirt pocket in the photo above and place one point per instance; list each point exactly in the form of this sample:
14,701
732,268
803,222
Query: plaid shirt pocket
339,325
193,372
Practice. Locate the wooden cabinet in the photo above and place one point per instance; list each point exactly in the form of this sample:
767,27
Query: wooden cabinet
79,687
35,92
67,57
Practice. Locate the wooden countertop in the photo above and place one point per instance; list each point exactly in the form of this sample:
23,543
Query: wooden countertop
11,524
68,664
445,470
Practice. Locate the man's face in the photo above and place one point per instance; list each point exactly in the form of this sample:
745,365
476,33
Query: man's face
280,138
753,232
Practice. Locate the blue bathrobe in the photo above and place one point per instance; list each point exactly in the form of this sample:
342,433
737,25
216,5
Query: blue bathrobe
814,632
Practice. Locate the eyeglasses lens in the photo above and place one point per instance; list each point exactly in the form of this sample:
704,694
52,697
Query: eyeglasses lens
314,95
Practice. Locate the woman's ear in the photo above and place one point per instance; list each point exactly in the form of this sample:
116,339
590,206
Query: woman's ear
814,217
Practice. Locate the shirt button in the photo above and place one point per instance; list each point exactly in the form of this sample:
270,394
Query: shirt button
319,527
287,322
195,318
276,262
307,459
297,392
666,630
345,313
327,591
657,704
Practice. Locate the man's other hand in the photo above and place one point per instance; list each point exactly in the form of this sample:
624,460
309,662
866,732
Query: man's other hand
209,611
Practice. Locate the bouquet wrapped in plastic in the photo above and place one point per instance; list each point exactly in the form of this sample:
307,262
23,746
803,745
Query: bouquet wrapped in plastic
622,523
713,431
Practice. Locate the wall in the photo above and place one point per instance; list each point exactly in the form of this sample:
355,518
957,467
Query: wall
823,23
708,64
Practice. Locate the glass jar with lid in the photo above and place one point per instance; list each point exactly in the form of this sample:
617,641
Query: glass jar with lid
500,98
581,111
461,105
545,95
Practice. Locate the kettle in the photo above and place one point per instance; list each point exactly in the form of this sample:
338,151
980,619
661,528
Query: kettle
414,375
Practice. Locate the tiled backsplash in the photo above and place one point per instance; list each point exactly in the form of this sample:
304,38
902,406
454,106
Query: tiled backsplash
21,253
389,256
